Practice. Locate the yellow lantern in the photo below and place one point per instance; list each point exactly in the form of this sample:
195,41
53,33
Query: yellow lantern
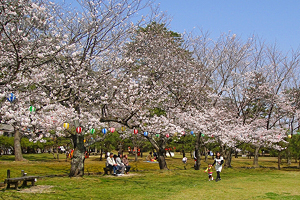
123,128
66,125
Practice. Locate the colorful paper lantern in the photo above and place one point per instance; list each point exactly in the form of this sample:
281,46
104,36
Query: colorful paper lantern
112,129
289,136
32,109
92,130
183,133
192,132
202,135
157,135
123,128
66,125
145,134
104,130
84,140
135,131
167,136
78,130
11,97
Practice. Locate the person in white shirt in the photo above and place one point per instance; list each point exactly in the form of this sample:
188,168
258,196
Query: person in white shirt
219,162
111,164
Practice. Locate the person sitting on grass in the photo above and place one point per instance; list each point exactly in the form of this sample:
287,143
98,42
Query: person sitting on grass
210,172
126,163
111,164
219,162
149,157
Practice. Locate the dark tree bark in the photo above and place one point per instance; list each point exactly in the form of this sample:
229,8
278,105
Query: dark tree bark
255,160
160,149
228,157
279,160
17,146
197,151
205,153
77,163
101,150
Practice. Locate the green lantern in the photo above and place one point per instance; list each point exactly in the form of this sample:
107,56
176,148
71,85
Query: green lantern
202,135
157,135
92,130
32,109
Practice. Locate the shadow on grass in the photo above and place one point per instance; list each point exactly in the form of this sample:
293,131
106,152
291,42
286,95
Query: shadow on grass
31,157
272,195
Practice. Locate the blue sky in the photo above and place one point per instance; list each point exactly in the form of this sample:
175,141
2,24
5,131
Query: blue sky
274,21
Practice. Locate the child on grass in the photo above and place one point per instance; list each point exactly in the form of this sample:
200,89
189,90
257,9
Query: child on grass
209,171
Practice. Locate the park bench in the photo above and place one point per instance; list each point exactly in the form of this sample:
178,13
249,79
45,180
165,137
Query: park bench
24,178
106,170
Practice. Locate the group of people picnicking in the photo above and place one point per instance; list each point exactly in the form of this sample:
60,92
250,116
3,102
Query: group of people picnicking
150,159
118,164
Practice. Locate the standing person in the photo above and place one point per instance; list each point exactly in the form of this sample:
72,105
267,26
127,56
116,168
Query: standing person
111,164
219,162
126,163
67,155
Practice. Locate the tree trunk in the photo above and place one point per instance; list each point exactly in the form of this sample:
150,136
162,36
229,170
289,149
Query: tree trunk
289,162
255,160
100,153
57,153
236,154
160,149
197,152
205,153
135,156
170,154
161,159
17,146
279,160
77,163
228,157
183,153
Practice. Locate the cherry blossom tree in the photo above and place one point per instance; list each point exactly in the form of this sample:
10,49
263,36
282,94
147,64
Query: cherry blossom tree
26,45
85,75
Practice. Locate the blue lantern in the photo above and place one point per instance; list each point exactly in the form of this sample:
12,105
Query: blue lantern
192,132
145,134
11,97
104,130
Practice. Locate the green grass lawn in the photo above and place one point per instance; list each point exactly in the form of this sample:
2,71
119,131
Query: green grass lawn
148,182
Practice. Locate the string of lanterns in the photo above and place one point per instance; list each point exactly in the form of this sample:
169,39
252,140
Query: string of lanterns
135,131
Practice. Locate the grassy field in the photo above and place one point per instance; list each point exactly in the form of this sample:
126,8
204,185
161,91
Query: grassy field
146,181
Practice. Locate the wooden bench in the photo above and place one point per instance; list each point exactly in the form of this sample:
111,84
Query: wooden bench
106,170
15,181
25,179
